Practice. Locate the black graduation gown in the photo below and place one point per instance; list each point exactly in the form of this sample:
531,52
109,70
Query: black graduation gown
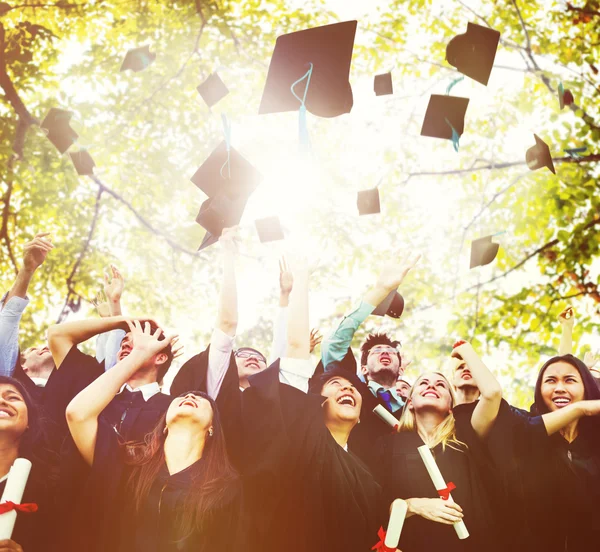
305,492
110,522
402,474
558,483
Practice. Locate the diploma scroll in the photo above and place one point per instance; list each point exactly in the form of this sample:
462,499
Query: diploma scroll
385,415
397,516
440,485
13,492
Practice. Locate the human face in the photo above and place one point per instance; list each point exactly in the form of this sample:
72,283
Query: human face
249,362
37,362
561,386
13,410
343,401
127,346
403,388
190,408
383,364
431,392
462,377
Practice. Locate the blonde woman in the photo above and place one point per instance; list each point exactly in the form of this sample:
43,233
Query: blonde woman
455,435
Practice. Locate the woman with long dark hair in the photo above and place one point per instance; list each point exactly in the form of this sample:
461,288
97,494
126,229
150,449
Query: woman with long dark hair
175,491
455,436
23,435
556,451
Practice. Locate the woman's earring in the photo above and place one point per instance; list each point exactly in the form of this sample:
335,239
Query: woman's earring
358,421
165,430
210,432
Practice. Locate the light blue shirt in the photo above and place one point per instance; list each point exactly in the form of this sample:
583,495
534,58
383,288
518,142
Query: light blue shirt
335,347
10,317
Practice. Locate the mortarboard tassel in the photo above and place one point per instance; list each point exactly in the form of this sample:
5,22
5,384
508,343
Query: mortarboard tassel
575,153
455,136
227,133
302,126
452,84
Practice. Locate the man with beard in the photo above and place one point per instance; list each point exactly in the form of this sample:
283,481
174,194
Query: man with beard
380,360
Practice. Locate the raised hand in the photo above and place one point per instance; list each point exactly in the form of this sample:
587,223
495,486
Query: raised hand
36,250
590,359
286,278
230,240
113,284
101,304
567,317
176,348
145,342
393,273
315,339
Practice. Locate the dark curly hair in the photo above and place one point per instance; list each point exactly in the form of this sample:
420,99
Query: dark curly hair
377,339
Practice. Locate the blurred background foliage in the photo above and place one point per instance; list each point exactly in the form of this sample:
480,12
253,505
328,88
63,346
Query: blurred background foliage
149,131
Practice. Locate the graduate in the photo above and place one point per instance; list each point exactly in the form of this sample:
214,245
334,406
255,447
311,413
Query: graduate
305,490
455,434
23,435
176,491
556,449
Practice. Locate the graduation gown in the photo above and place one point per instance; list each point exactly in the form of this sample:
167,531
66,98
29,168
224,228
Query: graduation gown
109,521
557,483
402,474
305,492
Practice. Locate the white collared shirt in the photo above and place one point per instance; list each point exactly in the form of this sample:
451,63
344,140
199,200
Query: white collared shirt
148,390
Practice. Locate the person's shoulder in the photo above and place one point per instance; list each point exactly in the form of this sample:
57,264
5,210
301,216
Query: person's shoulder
76,358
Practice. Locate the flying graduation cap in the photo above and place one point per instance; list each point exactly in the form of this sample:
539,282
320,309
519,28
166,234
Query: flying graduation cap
329,50
57,127
228,180
473,52
392,305
213,89
138,59
483,251
368,202
443,114
383,84
269,229
565,97
83,162
539,156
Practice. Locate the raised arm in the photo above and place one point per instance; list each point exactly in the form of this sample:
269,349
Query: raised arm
487,408
83,411
561,418
62,337
336,345
16,300
567,319
227,317
286,284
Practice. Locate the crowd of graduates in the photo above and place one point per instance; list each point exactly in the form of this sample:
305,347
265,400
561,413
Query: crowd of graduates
282,451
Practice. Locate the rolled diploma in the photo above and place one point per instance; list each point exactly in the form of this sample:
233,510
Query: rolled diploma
397,516
13,492
385,415
439,483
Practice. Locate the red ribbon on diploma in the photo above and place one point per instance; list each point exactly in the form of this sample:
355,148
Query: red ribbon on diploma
380,546
458,344
445,493
9,506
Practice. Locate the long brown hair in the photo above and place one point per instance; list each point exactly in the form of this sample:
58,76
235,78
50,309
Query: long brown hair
445,432
214,481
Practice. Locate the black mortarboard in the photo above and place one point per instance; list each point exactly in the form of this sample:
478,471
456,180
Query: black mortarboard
473,52
441,111
83,162
219,212
329,49
383,84
539,156
208,240
269,229
60,132
368,202
565,96
213,89
214,176
483,251
138,59
392,305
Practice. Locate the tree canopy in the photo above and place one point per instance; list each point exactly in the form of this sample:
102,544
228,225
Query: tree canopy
149,131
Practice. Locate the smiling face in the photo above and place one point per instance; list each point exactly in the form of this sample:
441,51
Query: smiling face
431,392
249,362
403,388
37,362
383,365
190,408
343,402
13,411
561,385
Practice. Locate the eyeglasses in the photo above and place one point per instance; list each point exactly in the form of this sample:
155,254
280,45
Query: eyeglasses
380,349
250,354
